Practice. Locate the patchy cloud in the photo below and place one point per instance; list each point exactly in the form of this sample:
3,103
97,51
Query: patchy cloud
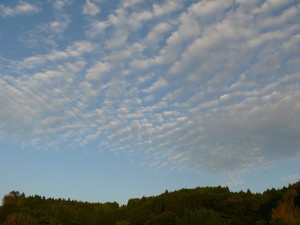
74,50
90,8
206,85
21,8
59,4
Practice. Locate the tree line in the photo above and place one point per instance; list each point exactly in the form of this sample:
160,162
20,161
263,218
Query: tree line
197,206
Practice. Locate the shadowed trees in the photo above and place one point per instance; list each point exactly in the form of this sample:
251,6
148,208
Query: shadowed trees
198,206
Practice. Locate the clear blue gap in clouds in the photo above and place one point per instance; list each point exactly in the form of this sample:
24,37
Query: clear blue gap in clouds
84,176
128,98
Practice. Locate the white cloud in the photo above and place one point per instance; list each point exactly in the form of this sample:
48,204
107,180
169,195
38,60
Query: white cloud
208,85
207,9
97,28
59,4
287,15
188,29
130,3
38,102
159,84
58,26
158,32
76,49
166,8
293,41
271,5
118,41
97,71
47,35
90,8
122,20
143,79
21,8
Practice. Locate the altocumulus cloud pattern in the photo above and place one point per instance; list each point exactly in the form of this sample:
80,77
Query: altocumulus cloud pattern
208,85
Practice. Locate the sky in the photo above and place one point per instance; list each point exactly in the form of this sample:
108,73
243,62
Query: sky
111,100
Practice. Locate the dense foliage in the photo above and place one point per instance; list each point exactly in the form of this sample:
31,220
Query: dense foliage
205,205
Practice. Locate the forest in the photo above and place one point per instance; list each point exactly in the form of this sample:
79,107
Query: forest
197,206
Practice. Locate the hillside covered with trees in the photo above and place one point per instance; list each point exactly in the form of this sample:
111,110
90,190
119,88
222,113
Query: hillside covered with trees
202,205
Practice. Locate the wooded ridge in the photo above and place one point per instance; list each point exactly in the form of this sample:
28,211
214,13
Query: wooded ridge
202,205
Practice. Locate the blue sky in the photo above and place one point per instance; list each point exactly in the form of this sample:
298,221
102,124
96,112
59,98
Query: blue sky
109,100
